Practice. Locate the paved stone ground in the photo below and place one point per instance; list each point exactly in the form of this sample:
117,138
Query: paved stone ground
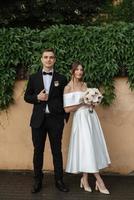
17,186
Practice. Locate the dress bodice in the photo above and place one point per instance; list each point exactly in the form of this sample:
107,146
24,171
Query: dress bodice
72,98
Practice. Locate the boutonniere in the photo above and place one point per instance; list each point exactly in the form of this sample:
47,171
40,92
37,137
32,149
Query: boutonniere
56,83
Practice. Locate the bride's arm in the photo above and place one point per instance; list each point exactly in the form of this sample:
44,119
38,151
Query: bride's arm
72,108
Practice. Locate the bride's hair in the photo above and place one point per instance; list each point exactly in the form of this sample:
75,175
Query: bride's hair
74,67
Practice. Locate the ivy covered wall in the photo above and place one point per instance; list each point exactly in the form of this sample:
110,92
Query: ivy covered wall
105,51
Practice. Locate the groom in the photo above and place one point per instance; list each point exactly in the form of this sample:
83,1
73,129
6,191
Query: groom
45,92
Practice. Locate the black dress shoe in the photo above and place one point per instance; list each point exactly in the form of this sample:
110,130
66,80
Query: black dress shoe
61,186
36,187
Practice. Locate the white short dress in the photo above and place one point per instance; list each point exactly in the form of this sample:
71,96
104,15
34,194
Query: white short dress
87,148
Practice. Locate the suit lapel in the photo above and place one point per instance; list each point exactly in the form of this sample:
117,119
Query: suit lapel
55,78
40,80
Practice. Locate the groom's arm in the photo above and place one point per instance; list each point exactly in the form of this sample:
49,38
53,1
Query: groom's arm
66,115
30,96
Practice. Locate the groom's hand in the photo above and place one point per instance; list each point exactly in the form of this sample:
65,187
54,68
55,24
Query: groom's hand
42,96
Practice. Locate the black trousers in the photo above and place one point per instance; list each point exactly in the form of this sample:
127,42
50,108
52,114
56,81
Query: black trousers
53,126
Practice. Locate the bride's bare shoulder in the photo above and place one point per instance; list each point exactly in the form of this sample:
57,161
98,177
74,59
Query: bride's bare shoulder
67,88
84,86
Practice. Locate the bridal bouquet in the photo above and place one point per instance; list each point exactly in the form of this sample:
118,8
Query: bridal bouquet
92,96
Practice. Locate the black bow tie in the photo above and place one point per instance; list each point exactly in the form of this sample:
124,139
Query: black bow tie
47,73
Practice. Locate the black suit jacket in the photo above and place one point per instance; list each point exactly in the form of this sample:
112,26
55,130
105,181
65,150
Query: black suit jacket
55,98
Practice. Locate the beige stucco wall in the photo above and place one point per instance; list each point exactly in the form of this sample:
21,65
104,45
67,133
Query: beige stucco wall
117,122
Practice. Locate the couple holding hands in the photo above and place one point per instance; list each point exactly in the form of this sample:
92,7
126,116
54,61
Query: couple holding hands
53,99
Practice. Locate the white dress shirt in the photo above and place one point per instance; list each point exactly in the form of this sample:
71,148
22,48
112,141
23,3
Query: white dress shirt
47,79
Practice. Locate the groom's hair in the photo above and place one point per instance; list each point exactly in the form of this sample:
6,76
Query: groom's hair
48,50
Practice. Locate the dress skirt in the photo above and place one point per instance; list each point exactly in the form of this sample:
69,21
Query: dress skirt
87,149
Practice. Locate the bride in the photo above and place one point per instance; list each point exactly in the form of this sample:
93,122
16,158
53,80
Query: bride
87,149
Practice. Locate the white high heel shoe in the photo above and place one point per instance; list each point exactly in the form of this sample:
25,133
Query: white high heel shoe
103,190
86,188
